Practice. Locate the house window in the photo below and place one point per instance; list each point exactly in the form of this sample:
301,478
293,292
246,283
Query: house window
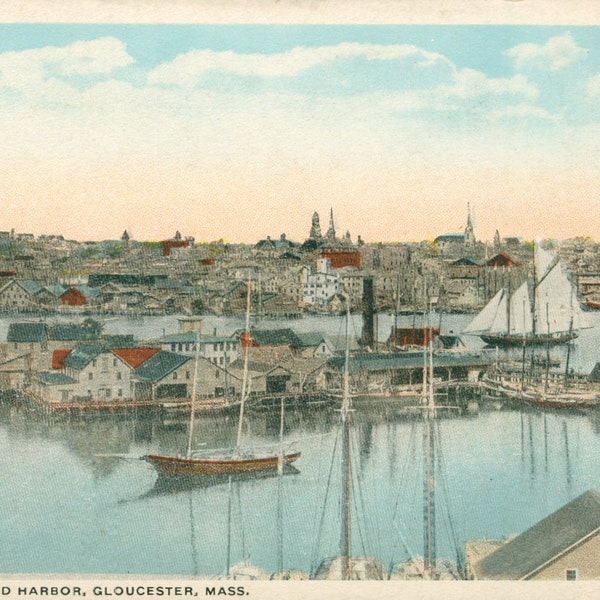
173,347
217,374
115,363
90,376
175,375
120,393
188,375
94,363
118,374
572,575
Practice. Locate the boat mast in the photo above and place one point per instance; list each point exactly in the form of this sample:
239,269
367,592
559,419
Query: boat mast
547,350
535,292
429,444
345,533
246,345
280,491
193,400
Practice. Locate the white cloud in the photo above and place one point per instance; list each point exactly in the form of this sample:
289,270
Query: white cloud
30,71
593,87
186,69
558,52
470,83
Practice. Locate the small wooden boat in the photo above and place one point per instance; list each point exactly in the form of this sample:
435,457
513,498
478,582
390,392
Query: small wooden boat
225,464
593,304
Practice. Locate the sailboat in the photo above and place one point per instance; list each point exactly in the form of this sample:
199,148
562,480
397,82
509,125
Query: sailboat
550,315
345,566
229,461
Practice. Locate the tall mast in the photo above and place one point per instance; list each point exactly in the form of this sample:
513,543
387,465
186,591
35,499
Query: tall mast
429,483
535,286
193,399
345,533
246,344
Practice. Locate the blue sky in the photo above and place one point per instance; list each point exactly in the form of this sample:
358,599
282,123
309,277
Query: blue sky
243,131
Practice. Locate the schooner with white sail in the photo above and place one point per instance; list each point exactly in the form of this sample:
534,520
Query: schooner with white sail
539,312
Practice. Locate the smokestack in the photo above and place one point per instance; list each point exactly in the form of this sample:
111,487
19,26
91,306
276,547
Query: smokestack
369,315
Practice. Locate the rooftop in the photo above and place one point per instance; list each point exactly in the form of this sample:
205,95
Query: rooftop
552,536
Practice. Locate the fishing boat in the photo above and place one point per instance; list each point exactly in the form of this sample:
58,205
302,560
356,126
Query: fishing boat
543,311
230,461
345,566
593,304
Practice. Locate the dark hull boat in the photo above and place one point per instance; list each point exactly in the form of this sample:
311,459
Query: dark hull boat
550,315
510,341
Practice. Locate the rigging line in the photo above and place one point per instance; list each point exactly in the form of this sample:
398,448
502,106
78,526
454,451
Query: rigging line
195,565
414,493
356,486
404,471
238,498
444,489
322,519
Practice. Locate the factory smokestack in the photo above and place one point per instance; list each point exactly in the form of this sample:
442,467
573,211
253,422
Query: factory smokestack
369,333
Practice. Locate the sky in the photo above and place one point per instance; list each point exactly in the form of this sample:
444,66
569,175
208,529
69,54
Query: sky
243,131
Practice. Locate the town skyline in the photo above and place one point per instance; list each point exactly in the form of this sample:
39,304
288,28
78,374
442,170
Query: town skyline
242,131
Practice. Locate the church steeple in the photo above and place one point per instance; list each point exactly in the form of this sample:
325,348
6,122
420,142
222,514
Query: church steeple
469,232
330,235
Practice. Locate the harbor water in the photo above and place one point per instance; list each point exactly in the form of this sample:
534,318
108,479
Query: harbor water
77,498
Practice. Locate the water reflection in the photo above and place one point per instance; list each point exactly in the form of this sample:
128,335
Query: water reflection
84,476
175,485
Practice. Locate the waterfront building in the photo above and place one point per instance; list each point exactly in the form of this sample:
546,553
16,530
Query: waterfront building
218,349
164,375
564,545
88,372
25,295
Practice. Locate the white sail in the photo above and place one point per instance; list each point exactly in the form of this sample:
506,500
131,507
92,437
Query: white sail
484,320
521,322
557,308
500,322
543,261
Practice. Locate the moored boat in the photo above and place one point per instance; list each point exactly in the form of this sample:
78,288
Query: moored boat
225,464
550,315
232,461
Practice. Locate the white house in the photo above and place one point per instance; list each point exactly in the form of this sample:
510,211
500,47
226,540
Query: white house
321,286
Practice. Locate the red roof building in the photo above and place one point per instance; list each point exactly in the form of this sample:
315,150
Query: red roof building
135,357
73,297
342,258
168,245
58,358
502,260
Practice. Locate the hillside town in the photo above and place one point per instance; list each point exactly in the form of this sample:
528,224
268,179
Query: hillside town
74,362
50,274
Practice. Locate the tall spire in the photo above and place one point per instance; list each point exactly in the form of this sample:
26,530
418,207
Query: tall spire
469,232
330,235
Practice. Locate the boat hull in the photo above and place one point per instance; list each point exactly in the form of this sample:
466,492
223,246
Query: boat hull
173,466
593,305
508,341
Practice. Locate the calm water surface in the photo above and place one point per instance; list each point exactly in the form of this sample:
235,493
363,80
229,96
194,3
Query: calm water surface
67,510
